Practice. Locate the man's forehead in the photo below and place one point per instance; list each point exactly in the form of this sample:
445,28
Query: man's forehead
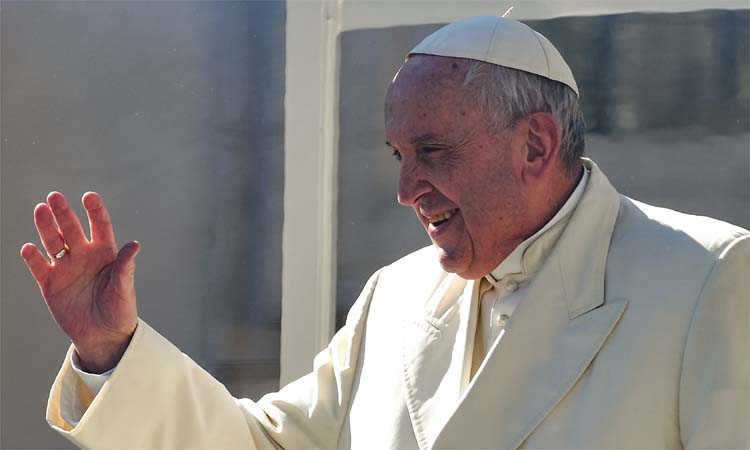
428,79
424,98
431,68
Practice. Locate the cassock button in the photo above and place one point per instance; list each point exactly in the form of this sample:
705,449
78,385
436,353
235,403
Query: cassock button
511,285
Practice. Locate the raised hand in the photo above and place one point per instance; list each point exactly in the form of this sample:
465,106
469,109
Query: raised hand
87,284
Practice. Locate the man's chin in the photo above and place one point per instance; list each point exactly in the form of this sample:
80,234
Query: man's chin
450,262
458,264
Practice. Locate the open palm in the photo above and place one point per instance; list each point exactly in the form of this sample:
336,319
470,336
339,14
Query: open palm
87,284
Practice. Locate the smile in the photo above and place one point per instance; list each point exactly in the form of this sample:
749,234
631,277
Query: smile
440,219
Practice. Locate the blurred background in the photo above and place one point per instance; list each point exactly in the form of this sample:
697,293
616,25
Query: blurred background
175,113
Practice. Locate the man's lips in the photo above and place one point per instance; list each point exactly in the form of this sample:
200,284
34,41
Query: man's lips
436,224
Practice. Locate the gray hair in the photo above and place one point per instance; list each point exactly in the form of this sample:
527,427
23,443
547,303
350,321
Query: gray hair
507,95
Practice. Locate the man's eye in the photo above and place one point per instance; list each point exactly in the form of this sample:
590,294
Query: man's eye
428,149
397,155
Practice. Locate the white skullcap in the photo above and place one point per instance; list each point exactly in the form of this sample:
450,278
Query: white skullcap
500,41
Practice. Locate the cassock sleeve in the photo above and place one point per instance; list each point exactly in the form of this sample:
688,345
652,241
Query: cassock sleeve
714,394
159,398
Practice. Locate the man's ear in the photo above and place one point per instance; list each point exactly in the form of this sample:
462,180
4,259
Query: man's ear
543,136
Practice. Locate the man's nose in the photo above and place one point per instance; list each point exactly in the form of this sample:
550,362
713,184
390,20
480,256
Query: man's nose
411,186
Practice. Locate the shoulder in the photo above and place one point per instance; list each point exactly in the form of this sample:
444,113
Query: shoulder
662,259
657,229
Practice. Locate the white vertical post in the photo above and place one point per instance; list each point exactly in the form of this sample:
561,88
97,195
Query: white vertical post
310,183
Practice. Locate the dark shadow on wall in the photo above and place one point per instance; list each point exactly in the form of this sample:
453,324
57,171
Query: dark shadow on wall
246,161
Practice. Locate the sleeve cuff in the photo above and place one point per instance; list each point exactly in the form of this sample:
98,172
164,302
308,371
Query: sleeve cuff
95,382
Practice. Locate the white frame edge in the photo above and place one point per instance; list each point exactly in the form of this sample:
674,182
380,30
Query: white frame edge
310,184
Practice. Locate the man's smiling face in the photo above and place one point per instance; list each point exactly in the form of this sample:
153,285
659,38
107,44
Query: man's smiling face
458,173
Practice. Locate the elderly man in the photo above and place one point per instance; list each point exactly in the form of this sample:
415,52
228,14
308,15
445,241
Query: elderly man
550,311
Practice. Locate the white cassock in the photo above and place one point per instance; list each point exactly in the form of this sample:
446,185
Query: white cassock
621,325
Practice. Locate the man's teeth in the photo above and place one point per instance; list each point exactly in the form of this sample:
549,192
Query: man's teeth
443,217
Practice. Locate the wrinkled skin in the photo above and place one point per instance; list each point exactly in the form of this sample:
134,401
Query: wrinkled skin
452,158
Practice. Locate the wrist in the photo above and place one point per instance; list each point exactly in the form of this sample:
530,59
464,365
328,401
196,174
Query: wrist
100,357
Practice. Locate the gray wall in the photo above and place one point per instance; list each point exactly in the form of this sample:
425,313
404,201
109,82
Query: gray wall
665,98
173,111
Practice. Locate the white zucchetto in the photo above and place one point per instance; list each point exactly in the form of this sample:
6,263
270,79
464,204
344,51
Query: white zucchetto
500,41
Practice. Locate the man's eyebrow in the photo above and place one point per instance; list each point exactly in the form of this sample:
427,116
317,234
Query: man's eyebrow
422,139
428,138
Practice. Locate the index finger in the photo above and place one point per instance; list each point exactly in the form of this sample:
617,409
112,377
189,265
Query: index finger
99,221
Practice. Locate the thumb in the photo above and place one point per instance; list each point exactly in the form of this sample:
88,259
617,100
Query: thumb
125,262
